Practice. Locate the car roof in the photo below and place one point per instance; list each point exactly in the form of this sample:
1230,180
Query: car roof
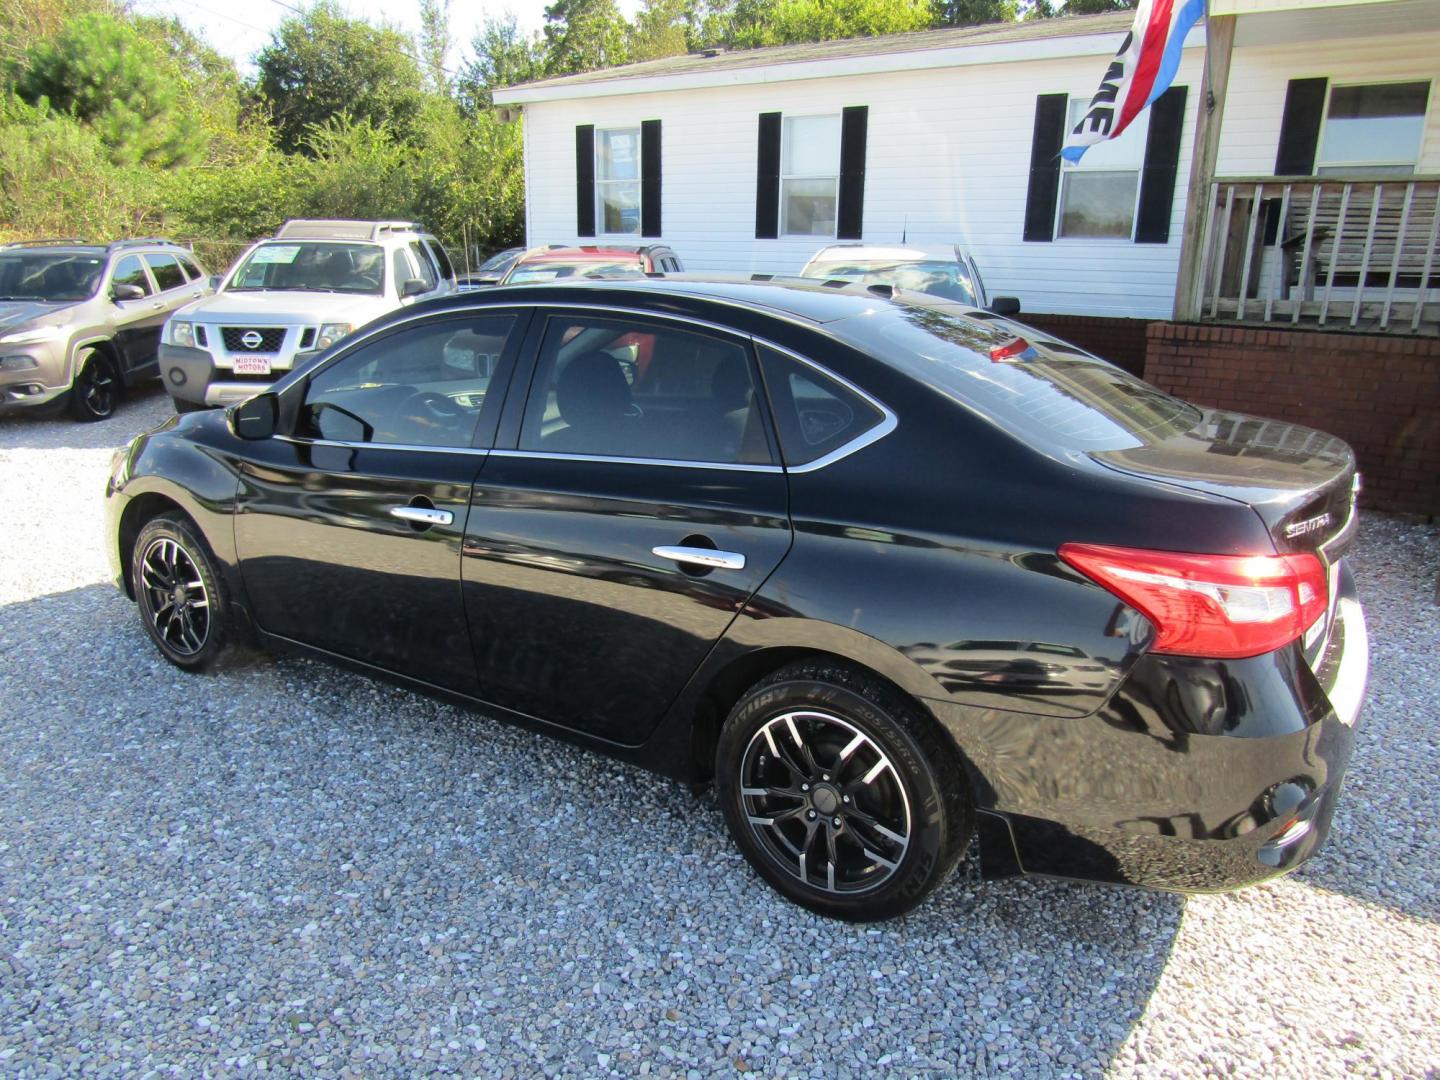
585,253
810,300
899,252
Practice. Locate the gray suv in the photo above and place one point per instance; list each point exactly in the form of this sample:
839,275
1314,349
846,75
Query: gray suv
80,322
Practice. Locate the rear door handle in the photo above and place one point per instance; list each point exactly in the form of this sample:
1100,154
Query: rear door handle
708,557
422,515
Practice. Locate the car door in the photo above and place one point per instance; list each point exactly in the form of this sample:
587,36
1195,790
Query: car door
173,291
137,322
349,528
633,507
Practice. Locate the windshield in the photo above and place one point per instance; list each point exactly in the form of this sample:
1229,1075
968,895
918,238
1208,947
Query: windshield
1046,393
550,271
944,278
48,275
500,261
312,267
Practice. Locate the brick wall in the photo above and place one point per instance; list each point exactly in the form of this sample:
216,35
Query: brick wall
1121,341
1379,394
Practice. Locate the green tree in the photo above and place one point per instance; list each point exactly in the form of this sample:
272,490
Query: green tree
321,64
665,28
788,22
503,57
100,70
583,35
435,43
974,12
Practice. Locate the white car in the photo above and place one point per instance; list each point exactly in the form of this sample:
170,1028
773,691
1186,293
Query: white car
943,271
292,296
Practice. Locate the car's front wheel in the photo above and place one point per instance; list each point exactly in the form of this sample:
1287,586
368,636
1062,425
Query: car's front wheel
96,391
840,792
178,590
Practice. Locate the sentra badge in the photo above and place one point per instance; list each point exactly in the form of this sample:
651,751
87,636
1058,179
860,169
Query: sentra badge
1304,528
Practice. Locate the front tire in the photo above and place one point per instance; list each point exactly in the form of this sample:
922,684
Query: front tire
841,793
96,390
178,591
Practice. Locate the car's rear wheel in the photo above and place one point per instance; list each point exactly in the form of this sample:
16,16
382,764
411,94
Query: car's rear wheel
840,792
178,590
96,390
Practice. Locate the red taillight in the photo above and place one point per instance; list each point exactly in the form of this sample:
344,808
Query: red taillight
1225,606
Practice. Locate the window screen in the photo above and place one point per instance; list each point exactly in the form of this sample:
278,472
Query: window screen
423,386
640,390
815,415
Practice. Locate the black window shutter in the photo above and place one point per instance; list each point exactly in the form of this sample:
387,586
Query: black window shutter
1162,161
1300,127
650,178
1045,147
767,178
850,215
585,180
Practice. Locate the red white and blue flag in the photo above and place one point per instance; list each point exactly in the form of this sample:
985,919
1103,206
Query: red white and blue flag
1142,70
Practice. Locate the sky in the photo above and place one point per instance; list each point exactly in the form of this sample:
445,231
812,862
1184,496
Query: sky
240,30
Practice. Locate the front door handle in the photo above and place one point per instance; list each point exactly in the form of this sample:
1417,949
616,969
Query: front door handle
707,557
422,515
158,304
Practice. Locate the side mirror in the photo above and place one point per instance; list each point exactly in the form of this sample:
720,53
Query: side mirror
412,287
119,293
1005,305
255,418
215,280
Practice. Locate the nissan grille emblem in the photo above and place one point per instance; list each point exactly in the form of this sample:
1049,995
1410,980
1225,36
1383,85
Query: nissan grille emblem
251,339
1309,525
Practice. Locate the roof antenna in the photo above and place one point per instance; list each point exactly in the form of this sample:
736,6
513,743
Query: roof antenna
905,230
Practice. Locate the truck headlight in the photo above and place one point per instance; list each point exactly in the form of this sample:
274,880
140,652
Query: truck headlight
182,333
330,333
30,337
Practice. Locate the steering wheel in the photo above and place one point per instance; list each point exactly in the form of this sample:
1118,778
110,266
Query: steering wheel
430,407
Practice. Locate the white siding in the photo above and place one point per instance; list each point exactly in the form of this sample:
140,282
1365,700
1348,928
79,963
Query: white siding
948,160
1258,78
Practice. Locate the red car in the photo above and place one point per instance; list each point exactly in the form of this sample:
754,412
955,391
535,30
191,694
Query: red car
554,263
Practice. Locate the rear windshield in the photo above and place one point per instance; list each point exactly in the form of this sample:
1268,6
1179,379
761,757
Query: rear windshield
946,279
1045,393
553,271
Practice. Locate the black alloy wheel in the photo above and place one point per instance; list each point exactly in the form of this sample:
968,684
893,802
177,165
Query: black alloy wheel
840,793
96,390
181,602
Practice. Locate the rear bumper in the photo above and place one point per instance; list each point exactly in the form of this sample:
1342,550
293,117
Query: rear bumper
1198,776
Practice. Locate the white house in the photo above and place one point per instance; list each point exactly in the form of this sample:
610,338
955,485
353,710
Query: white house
749,161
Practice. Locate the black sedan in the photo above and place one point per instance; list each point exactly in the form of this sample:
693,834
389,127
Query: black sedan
887,570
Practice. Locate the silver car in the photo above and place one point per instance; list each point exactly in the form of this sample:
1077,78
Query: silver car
944,271
80,322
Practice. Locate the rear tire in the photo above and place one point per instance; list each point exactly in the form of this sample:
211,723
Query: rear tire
96,390
182,601
841,793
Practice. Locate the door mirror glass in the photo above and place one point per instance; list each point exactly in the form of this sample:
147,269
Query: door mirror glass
120,292
1008,306
255,418
413,287
215,280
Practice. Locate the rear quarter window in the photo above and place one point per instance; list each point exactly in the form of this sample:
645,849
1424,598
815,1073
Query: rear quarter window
815,414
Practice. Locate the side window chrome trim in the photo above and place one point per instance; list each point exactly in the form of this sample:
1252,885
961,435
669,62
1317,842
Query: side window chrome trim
667,462
870,435
469,450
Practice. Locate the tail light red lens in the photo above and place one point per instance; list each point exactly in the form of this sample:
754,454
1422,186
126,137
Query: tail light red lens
1223,606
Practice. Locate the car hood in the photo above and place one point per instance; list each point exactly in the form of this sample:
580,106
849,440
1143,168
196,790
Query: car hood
275,307
16,313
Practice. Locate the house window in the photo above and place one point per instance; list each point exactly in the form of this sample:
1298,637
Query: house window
1098,194
617,181
1376,129
809,175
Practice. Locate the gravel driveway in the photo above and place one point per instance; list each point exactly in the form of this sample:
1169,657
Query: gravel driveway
290,869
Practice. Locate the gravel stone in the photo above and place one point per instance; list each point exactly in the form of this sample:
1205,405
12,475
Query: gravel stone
285,869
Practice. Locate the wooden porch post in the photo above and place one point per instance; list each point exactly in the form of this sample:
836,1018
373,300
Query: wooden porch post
1219,40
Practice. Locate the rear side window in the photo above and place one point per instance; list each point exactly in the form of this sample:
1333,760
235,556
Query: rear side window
191,270
128,271
442,258
815,414
168,274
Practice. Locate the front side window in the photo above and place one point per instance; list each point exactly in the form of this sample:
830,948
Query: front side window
809,175
620,389
427,269
1098,194
617,181
37,275
1373,128
129,271
442,258
312,266
168,274
423,386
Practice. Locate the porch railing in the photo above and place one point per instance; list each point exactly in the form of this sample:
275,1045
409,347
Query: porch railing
1343,253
